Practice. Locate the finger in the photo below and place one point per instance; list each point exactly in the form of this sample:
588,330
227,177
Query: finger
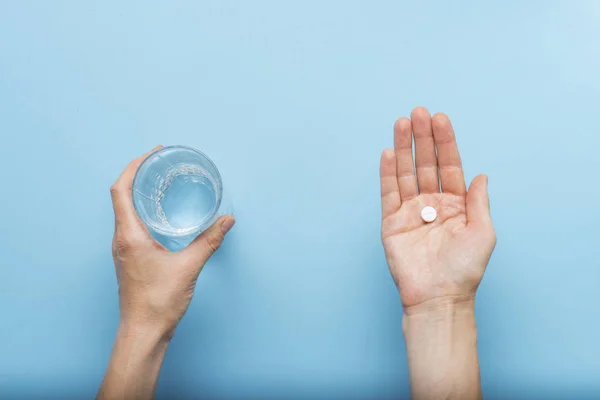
478,203
207,243
405,167
120,193
450,167
426,160
390,194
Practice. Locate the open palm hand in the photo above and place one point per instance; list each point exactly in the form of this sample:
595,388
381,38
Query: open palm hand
444,259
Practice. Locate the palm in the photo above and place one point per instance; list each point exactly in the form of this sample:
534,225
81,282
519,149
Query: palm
448,256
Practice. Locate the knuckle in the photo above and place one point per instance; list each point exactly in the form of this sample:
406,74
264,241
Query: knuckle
125,243
114,190
213,242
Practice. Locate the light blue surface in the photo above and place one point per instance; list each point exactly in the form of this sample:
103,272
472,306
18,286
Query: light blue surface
294,102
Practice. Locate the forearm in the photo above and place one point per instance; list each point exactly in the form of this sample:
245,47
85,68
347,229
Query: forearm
134,364
441,345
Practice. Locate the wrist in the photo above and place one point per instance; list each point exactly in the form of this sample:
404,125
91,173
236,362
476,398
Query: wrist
441,347
446,305
146,332
136,359
445,312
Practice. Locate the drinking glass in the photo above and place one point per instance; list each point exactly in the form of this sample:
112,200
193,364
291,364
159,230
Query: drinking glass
178,193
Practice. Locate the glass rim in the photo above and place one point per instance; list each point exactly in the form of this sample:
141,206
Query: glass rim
180,232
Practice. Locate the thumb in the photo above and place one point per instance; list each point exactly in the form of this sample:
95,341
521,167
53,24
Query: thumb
478,202
209,241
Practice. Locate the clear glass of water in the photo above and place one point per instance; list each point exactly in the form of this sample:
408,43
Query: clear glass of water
177,193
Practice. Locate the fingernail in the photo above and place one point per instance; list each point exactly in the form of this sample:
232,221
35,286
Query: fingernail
227,225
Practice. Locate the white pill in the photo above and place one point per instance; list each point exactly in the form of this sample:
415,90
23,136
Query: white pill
428,214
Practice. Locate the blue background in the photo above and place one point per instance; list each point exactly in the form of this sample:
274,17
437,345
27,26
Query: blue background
294,101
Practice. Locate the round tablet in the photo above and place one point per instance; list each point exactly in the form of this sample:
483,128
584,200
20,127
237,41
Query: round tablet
428,214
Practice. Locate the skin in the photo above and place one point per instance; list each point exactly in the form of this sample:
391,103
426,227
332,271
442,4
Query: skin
155,290
436,266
